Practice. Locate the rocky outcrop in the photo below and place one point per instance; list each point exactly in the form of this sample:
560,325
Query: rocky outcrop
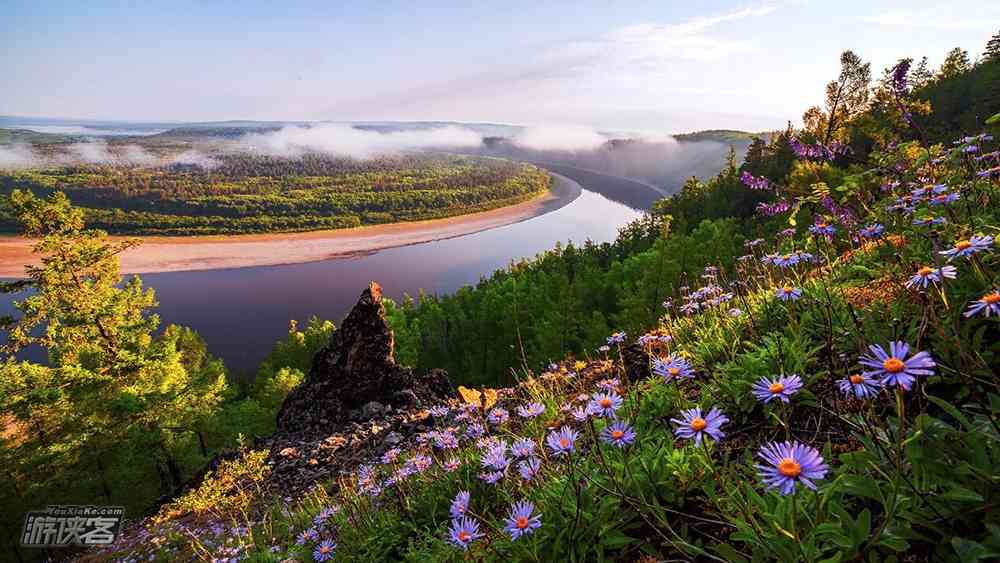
355,376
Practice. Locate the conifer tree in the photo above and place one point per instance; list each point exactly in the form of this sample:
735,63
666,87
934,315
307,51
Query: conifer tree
111,389
992,52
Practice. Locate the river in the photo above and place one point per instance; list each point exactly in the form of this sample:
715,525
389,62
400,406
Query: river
242,312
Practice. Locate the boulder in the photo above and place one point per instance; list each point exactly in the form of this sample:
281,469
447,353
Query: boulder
357,372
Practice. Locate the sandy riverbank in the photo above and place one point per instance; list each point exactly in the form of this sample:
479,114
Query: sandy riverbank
175,254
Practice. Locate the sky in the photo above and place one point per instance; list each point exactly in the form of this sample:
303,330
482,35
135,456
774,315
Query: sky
614,66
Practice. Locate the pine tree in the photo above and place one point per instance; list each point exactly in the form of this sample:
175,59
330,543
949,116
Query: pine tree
921,75
956,62
111,388
992,52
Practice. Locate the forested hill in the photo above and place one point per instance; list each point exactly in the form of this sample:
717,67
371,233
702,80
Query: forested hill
197,193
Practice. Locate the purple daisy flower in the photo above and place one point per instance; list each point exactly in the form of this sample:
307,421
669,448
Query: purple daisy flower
524,447
581,414
390,456
460,505
786,260
562,442
531,410
966,248
822,228
616,338
778,388
618,433
689,308
521,520
529,468
944,199
872,231
694,425
927,275
438,411
474,430
420,463
893,368
324,551
463,532
451,464
498,416
445,441
306,536
608,384
324,515
789,463
672,367
987,305
788,293
928,221
605,404
860,385
491,477
496,458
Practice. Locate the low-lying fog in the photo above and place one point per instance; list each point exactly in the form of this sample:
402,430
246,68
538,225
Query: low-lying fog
659,160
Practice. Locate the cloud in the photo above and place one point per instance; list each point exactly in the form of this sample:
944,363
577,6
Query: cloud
91,152
99,152
17,156
640,44
942,16
559,138
345,140
193,157
593,79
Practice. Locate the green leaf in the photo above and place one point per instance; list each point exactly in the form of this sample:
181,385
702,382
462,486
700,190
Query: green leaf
994,119
962,494
614,539
728,552
952,411
968,551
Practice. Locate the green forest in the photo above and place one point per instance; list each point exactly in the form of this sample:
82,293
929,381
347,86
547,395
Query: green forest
847,270
254,193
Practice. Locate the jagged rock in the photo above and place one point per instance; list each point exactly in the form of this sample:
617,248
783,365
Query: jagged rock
355,369
370,410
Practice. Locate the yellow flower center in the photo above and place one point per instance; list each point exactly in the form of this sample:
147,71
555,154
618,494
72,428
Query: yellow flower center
925,271
786,256
673,371
856,379
893,365
464,536
789,467
563,442
962,245
776,388
521,522
698,424
617,434
325,549
786,289
605,403
991,299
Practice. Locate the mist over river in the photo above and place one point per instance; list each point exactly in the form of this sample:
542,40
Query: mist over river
242,312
